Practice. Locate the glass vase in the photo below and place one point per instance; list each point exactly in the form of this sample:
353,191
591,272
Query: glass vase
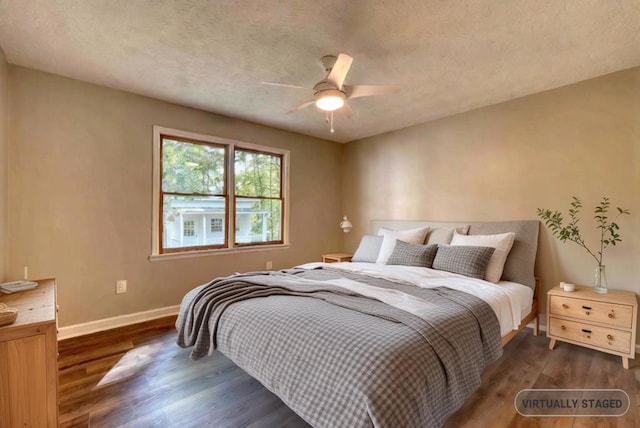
600,280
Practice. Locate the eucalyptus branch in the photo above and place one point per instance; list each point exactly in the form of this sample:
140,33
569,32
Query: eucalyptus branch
608,229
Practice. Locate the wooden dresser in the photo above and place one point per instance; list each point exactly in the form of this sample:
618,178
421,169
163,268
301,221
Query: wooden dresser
606,322
28,359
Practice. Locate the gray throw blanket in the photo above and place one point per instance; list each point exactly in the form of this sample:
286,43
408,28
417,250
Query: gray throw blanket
339,359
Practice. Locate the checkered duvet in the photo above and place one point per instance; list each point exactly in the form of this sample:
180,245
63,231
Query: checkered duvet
339,359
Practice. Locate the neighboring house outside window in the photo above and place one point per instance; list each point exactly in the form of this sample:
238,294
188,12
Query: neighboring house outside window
216,194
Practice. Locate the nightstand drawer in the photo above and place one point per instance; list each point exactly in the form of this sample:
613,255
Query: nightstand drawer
590,310
601,337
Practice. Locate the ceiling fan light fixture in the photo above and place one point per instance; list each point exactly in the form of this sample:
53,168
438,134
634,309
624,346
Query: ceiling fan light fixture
330,99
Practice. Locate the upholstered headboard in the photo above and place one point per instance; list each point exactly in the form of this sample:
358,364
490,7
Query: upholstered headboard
520,263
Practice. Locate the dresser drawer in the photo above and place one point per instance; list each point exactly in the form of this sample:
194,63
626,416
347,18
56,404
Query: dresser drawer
602,312
601,337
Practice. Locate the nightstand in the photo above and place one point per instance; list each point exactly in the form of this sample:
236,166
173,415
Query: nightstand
336,257
605,322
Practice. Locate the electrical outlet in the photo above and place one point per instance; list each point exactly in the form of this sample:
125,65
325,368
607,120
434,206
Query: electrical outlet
269,265
121,286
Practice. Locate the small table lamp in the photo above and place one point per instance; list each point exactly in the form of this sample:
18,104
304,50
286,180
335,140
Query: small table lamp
346,225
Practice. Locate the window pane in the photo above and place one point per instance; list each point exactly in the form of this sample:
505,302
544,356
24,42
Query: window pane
192,168
257,174
188,228
216,224
258,220
188,221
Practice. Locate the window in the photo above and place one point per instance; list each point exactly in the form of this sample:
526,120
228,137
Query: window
258,197
216,194
189,229
216,225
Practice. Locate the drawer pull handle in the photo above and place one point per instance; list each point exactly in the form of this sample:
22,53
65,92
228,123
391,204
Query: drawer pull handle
611,316
586,307
609,337
564,305
586,331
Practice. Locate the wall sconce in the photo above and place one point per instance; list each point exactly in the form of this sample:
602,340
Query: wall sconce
346,225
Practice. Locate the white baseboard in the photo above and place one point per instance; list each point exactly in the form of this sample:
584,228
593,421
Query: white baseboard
540,326
115,322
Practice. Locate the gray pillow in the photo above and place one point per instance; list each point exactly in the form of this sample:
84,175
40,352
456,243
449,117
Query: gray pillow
520,263
407,254
368,249
466,260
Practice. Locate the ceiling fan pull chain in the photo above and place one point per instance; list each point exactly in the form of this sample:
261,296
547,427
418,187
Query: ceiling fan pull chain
332,130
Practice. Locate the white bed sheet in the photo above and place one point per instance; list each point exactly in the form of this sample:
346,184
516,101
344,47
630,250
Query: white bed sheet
510,301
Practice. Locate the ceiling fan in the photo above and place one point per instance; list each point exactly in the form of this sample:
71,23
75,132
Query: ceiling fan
331,94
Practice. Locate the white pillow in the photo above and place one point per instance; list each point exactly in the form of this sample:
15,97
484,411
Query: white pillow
502,242
412,236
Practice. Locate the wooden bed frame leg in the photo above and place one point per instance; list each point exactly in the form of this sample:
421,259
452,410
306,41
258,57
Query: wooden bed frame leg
536,326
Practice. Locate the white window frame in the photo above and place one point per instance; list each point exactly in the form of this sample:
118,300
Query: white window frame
158,131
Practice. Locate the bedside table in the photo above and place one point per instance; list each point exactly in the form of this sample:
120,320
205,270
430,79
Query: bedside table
604,322
336,257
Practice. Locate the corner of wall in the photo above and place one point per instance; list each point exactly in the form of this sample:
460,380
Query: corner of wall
4,164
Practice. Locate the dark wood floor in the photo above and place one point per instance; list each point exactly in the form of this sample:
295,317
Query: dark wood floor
139,377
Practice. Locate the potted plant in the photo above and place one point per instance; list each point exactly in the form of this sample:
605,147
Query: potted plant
608,232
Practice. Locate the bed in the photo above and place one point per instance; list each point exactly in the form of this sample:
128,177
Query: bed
372,343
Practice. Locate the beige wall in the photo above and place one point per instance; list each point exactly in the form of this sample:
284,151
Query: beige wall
504,161
80,173
80,195
4,177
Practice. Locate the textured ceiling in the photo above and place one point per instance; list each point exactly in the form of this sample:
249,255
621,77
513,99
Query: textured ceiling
447,56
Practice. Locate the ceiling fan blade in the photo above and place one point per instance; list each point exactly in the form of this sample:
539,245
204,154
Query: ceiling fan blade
339,70
302,106
357,91
346,109
286,85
